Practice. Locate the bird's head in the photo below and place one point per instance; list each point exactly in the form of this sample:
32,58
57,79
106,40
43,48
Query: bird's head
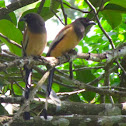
86,22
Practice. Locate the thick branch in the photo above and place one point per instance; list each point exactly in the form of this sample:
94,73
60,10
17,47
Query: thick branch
73,107
73,120
92,56
51,61
14,6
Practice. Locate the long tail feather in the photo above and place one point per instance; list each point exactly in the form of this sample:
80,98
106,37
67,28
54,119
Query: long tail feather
70,69
50,81
28,73
49,87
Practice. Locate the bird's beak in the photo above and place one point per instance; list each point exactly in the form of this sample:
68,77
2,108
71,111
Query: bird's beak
92,22
22,19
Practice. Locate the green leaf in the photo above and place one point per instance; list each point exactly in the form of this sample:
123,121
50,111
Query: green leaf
85,49
113,18
17,90
46,4
98,3
54,5
88,95
8,29
2,3
13,18
75,98
86,76
65,6
121,37
119,2
55,87
115,7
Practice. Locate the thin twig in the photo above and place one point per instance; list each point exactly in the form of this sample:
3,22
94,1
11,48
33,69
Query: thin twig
76,8
84,68
100,77
10,41
121,67
12,55
57,17
97,18
105,33
41,6
65,85
19,85
39,70
63,10
89,86
114,87
71,93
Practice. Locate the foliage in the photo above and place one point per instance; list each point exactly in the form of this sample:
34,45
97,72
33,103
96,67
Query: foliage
112,18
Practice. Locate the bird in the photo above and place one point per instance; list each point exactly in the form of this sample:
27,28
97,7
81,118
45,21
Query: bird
65,41
33,44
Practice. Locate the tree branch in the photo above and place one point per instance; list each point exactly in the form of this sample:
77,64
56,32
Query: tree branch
63,10
58,17
14,6
31,96
88,86
73,107
41,6
76,8
92,56
110,56
10,41
97,18
72,120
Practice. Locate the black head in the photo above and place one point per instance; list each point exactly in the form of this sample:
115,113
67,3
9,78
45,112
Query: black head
32,17
34,22
86,22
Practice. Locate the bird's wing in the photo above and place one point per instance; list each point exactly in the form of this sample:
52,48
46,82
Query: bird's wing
59,37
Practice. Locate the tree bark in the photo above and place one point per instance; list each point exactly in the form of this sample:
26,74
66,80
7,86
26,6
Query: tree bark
73,120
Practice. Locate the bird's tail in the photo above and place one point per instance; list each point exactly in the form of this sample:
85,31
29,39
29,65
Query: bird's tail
50,81
49,87
28,74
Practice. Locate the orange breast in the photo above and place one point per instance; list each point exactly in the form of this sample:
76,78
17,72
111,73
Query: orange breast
36,44
69,41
